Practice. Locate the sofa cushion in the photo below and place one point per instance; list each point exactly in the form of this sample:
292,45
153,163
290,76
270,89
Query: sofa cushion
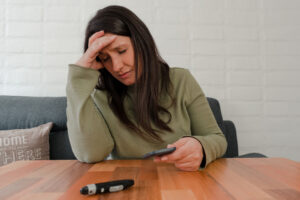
25,144
19,112
60,147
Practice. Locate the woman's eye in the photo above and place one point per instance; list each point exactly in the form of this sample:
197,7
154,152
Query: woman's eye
104,59
120,52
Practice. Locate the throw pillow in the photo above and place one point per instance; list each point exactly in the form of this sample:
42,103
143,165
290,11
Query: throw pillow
25,144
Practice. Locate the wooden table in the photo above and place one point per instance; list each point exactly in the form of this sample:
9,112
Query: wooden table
261,178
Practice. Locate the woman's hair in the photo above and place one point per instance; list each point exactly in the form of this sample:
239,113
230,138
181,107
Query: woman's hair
154,80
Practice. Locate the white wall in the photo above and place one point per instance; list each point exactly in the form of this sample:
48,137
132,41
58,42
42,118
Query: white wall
246,53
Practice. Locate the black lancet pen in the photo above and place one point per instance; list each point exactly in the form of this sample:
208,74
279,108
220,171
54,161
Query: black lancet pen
111,186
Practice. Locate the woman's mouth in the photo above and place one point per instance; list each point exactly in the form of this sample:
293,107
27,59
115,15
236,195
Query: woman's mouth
125,75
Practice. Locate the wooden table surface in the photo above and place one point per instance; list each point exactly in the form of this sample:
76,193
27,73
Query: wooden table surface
243,178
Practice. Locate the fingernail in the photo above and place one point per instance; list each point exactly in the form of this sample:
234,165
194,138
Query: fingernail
113,36
164,158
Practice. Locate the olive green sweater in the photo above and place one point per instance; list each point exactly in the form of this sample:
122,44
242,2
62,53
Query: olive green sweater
95,131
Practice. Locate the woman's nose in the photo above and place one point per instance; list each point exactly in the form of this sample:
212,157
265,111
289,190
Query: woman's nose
117,64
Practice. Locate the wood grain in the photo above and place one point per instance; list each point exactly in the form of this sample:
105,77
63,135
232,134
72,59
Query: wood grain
236,178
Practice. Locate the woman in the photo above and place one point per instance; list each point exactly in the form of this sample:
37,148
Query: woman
124,99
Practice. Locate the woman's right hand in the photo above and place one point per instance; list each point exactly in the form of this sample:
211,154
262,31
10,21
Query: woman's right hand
96,43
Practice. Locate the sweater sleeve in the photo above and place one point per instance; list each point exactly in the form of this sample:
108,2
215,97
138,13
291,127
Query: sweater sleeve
89,135
204,127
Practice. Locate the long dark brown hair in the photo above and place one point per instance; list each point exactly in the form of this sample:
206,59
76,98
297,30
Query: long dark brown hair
154,80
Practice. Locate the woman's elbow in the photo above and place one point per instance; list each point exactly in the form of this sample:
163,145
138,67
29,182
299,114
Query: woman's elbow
92,155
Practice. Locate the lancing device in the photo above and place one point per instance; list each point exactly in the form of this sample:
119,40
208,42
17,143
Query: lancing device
111,186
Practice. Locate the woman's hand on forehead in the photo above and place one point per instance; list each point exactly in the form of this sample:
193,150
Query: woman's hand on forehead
97,42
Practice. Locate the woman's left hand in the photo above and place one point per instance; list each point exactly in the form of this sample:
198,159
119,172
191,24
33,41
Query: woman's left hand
187,156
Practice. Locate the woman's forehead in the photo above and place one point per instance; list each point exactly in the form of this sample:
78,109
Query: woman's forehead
118,43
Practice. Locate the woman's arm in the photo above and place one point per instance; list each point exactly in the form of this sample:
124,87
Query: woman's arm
89,135
204,127
207,141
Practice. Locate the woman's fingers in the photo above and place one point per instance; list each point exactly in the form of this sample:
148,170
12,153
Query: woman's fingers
99,44
184,165
188,165
95,36
178,154
182,151
187,156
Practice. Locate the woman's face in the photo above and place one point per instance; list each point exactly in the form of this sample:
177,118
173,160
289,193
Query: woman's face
118,59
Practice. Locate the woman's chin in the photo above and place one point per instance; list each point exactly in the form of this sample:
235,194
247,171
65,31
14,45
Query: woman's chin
127,82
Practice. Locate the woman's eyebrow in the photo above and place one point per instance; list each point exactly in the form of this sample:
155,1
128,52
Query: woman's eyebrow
118,47
113,49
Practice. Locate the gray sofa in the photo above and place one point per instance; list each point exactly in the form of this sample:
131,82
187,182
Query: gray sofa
19,112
